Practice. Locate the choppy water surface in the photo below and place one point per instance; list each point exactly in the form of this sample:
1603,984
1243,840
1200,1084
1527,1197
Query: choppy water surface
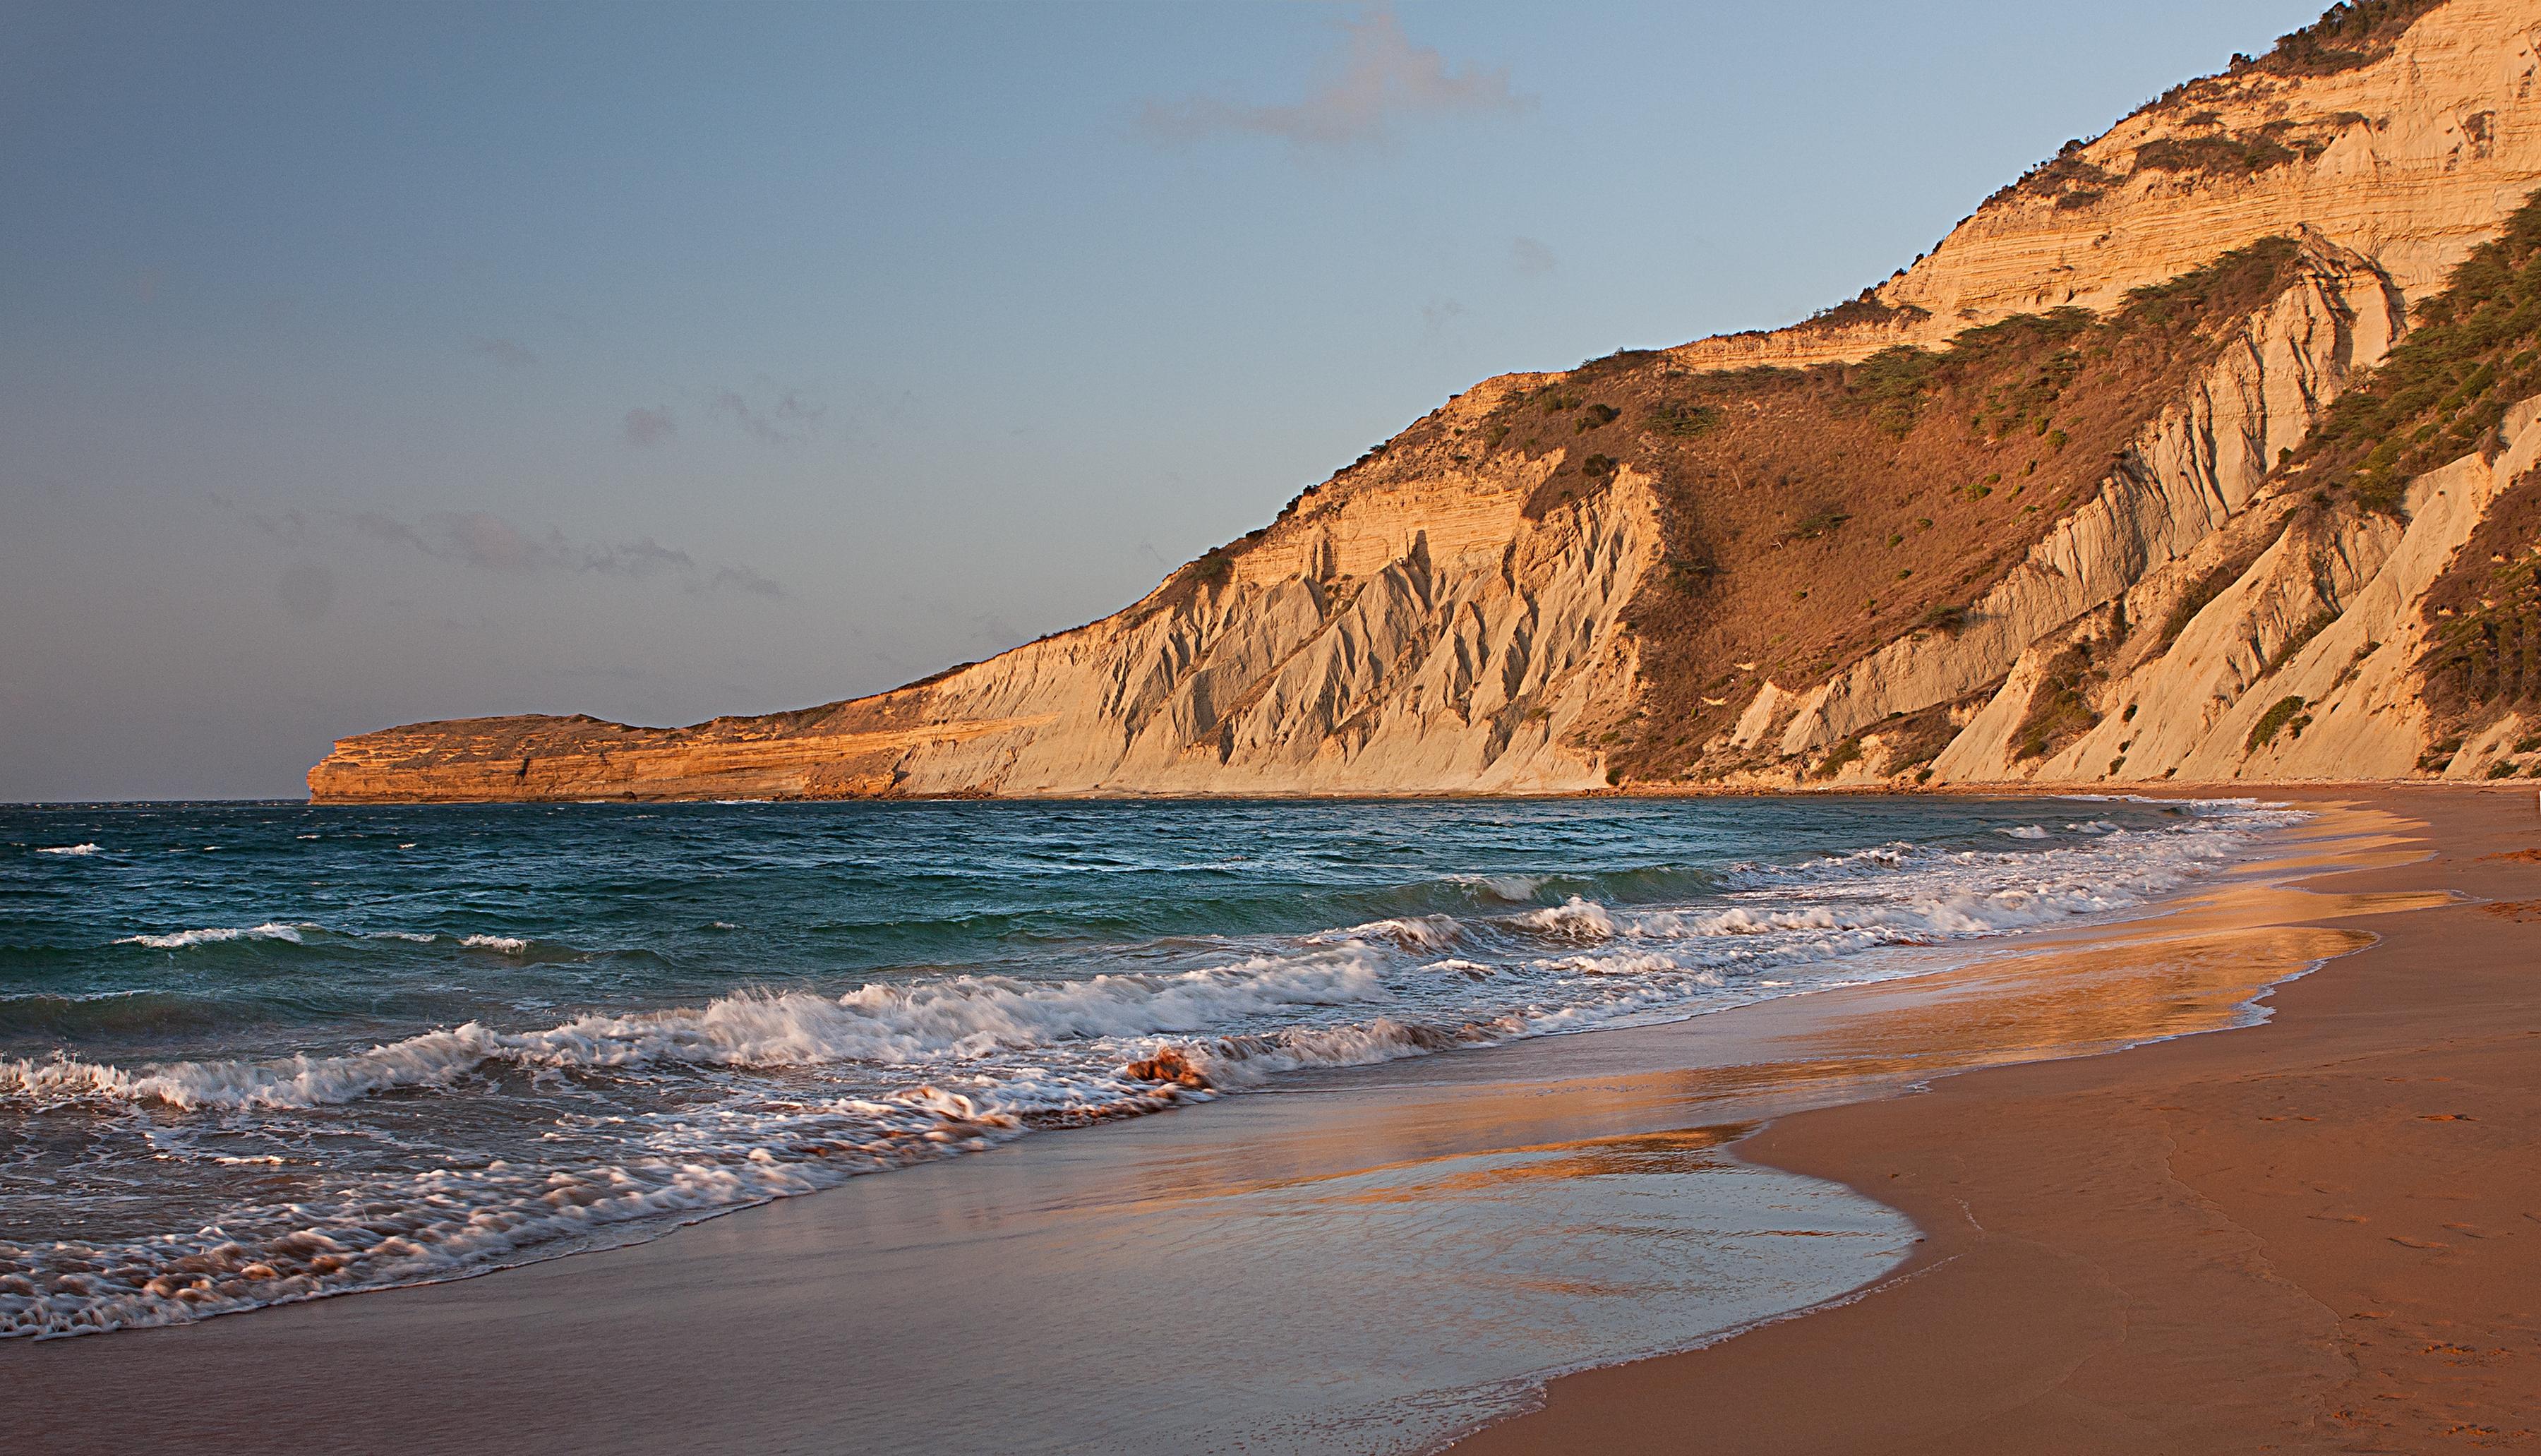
254,1053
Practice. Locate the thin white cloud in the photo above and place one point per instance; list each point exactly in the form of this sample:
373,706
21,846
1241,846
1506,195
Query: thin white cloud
1376,76
1532,257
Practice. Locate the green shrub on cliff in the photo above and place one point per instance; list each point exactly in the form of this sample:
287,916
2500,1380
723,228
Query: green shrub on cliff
2472,350
2280,714
1681,419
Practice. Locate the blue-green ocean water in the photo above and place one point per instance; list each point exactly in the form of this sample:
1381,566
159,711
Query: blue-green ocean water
267,1052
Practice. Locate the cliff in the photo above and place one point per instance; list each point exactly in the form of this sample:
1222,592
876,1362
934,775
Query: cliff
2400,129
2199,453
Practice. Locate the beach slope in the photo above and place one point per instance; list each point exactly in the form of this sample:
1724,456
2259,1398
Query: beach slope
2320,1233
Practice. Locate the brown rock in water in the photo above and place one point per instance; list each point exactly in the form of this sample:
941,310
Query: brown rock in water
1168,1066
2089,495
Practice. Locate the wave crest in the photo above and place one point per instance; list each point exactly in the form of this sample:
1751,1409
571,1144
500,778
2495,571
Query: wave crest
181,939
959,1018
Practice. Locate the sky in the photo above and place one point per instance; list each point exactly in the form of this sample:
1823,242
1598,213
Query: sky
367,364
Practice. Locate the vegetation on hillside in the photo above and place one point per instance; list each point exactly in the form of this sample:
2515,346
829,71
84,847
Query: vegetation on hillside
2347,35
2284,713
1863,308
2484,618
2229,153
2471,351
2059,706
1813,515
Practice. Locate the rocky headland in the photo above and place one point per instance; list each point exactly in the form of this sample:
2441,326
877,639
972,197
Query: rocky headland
2204,452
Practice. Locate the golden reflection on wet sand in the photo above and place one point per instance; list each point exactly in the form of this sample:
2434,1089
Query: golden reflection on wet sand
2199,967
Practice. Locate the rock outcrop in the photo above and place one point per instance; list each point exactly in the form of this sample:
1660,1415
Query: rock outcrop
2193,457
1381,637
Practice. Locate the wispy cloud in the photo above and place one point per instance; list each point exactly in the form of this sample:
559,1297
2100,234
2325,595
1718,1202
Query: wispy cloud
646,428
1374,76
485,542
785,420
489,543
1531,258
504,351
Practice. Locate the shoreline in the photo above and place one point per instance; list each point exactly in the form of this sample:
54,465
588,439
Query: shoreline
2008,789
1751,1063
2025,789
2302,1234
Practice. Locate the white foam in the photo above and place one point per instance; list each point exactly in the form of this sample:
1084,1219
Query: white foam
2025,831
74,997
68,849
1242,1061
181,939
510,945
1411,932
446,1222
957,1018
1515,889
1574,918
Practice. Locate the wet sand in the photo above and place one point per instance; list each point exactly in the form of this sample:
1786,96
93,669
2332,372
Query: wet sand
2137,1251
2322,1233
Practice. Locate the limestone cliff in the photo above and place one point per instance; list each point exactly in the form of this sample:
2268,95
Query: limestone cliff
2192,457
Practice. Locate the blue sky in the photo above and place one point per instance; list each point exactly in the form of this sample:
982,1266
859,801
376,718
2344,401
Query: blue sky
375,363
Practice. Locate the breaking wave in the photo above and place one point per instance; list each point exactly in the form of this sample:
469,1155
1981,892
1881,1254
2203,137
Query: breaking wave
181,939
638,1119
962,1018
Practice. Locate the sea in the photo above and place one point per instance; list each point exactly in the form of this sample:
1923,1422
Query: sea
259,1053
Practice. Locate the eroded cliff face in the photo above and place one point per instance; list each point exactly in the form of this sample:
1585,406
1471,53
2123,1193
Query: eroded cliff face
2303,666
2149,474
1388,635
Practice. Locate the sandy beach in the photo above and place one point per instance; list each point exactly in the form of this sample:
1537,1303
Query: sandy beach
2299,1233
2320,1233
